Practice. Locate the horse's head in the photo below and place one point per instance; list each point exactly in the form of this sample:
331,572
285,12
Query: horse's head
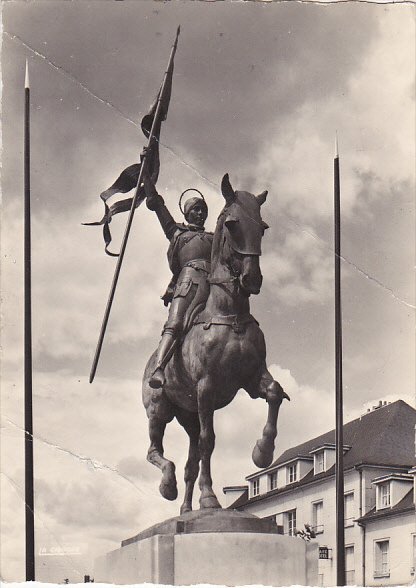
242,229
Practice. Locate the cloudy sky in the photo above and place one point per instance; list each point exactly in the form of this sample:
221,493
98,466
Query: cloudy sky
259,90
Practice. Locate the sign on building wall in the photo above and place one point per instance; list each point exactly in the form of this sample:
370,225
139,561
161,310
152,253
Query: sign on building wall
324,552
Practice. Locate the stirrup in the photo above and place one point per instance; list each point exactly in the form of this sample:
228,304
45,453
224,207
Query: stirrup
157,379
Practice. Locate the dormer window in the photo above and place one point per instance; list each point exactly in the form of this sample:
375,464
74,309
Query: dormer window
384,495
291,473
319,462
391,489
256,487
324,457
273,480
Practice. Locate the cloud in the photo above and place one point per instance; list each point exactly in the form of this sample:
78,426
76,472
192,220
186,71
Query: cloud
130,466
300,270
303,401
375,120
87,505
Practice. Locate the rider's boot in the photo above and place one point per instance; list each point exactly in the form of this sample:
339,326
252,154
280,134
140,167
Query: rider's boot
164,353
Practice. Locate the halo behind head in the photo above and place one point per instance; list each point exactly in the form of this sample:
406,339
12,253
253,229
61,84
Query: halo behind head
183,194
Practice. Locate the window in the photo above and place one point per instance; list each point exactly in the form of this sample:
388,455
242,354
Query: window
289,522
349,509
256,487
317,516
381,558
319,462
384,495
349,565
291,472
273,481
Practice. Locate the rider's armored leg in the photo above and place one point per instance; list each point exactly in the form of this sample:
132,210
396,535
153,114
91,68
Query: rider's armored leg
164,353
171,333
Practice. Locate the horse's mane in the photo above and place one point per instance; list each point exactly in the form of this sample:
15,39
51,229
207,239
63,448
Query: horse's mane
218,240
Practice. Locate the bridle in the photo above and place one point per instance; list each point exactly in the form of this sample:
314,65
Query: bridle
234,278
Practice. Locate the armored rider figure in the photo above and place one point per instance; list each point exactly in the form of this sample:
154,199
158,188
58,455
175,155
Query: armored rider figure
189,257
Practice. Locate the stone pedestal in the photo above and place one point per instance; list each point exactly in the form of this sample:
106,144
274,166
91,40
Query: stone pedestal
212,547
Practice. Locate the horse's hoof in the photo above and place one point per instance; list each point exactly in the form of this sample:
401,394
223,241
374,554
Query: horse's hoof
168,487
209,502
262,456
169,490
185,508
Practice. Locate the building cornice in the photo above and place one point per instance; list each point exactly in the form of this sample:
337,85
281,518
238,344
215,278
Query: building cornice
277,466
384,514
331,446
400,477
398,468
300,484
235,488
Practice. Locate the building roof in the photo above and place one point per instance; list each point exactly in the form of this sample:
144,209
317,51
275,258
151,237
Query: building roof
241,500
385,437
398,476
234,488
404,505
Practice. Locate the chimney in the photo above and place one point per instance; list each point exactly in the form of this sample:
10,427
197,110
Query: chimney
380,404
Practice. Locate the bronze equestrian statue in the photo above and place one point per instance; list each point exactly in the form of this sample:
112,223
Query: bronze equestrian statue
211,345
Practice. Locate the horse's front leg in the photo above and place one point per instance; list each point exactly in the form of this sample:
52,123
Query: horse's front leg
190,423
274,394
206,399
159,414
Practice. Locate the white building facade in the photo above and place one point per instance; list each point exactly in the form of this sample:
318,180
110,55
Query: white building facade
299,488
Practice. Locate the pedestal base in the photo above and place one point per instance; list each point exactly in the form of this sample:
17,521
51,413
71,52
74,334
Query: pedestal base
225,557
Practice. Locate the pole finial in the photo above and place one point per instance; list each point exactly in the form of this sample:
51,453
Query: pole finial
27,75
336,145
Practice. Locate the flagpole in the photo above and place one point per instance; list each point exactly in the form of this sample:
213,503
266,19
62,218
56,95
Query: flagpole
339,442
29,494
131,215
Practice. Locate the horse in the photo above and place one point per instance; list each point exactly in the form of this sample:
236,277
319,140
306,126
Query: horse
223,351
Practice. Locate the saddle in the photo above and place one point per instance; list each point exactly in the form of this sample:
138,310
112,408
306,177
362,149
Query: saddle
196,306
196,315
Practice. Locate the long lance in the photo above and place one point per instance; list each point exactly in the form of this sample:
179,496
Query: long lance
339,442
29,493
136,201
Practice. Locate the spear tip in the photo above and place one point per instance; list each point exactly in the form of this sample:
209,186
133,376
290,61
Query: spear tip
27,75
336,145
175,44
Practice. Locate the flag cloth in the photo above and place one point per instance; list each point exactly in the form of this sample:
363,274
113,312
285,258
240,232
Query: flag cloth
128,178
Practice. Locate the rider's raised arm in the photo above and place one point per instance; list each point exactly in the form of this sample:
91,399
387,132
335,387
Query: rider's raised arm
155,202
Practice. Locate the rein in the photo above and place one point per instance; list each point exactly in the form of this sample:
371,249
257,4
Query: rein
235,274
218,281
233,279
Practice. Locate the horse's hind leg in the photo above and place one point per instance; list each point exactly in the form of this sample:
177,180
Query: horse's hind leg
160,413
274,394
206,444
190,423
